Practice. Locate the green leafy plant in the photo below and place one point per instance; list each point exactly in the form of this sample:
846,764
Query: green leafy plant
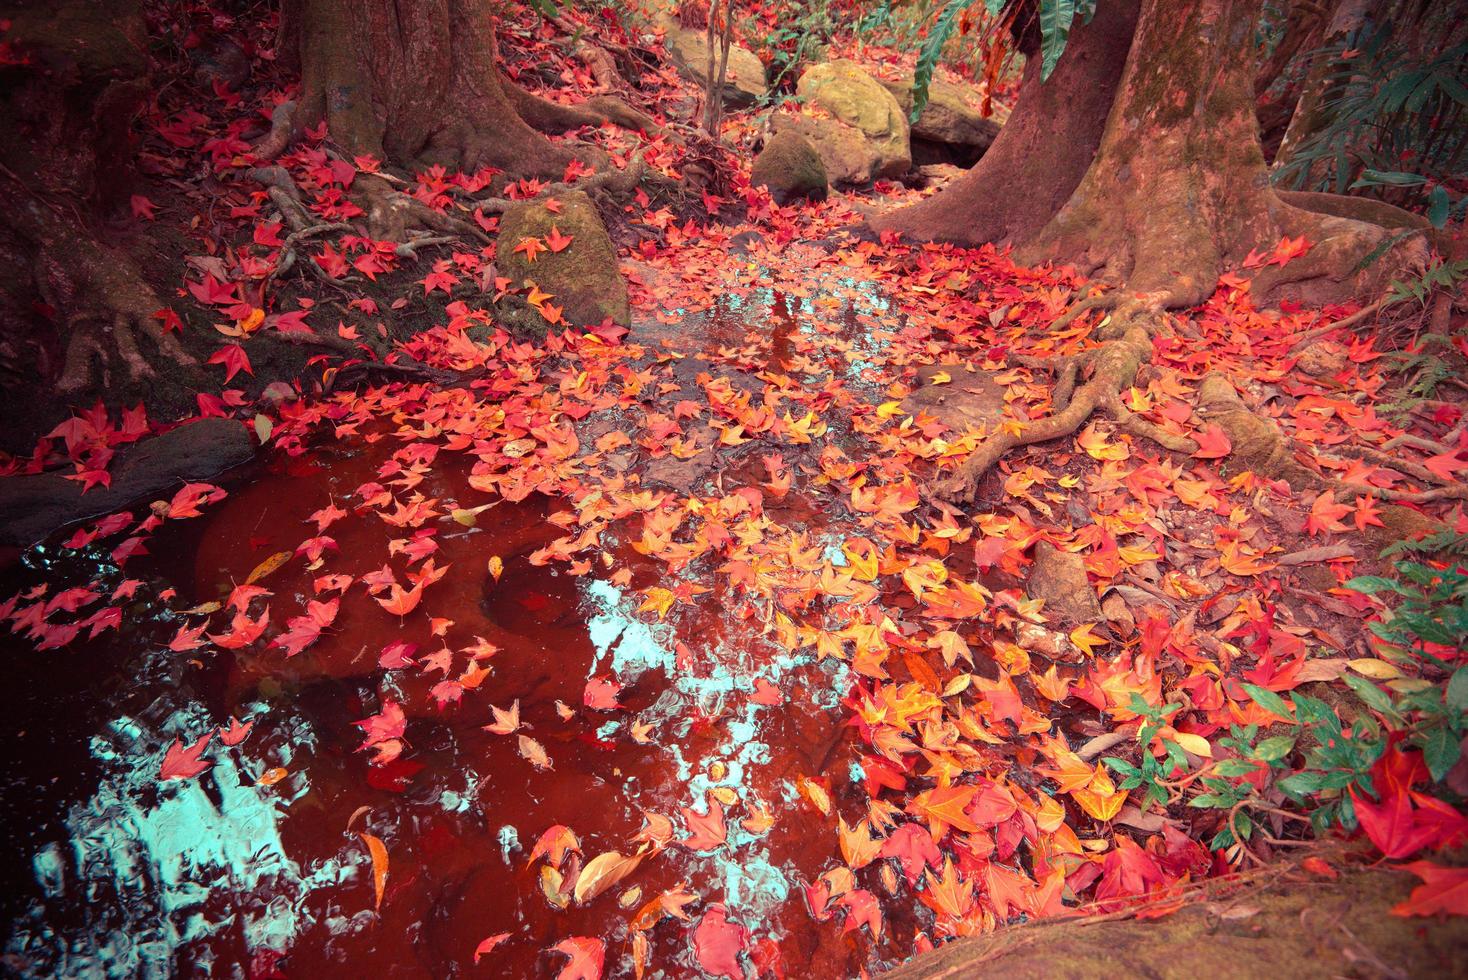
1386,105
1151,772
1321,764
1057,17
1433,611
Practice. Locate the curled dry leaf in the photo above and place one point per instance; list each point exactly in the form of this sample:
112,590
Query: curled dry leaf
378,852
602,872
487,946
534,753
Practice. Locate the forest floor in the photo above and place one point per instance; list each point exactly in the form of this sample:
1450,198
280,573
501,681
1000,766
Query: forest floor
648,647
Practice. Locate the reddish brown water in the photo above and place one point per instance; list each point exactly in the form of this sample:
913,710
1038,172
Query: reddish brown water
115,873
220,875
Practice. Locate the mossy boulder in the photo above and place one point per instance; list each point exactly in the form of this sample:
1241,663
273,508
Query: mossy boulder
853,122
951,129
744,79
582,279
1299,925
791,168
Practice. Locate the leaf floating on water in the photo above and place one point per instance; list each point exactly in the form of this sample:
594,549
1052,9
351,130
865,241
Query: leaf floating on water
657,830
272,776
378,851
185,763
268,566
488,945
469,517
707,831
602,872
586,954
237,731
552,885
717,942
505,722
554,844
534,753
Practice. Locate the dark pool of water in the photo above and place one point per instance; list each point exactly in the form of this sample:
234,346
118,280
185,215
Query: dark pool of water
113,873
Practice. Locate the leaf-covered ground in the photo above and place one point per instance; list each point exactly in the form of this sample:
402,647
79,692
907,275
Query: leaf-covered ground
647,650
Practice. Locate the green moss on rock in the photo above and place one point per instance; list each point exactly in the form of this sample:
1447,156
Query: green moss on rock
791,168
583,279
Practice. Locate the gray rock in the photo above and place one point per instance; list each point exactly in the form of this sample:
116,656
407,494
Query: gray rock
857,126
950,130
970,399
1059,577
583,279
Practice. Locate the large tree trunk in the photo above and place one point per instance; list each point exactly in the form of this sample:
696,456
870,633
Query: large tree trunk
419,84
416,83
1044,148
1177,194
1178,191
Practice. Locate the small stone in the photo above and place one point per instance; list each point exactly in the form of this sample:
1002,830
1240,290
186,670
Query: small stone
1059,577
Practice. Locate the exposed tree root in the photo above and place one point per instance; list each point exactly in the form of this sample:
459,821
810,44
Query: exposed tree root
389,216
553,117
610,181
1257,443
108,307
1126,346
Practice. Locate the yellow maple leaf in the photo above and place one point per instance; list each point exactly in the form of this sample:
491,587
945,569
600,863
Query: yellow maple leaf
659,600
1082,637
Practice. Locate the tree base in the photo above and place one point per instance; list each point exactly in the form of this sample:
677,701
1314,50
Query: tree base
101,296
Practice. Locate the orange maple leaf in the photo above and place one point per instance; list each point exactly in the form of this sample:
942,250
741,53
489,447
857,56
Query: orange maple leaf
943,807
532,247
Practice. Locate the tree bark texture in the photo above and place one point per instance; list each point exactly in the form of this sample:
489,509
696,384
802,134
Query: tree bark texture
418,83
1043,150
1178,190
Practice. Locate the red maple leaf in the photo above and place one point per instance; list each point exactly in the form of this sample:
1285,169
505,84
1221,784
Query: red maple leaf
234,359
717,942
1443,890
602,694
586,954
170,320
557,241
1446,465
389,723
1287,249
1212,443
913,850
237,731
707,830
1392,824
441,279
184,763
1325,514
862,908
187,639
532,247
488,945
766,693
302,631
